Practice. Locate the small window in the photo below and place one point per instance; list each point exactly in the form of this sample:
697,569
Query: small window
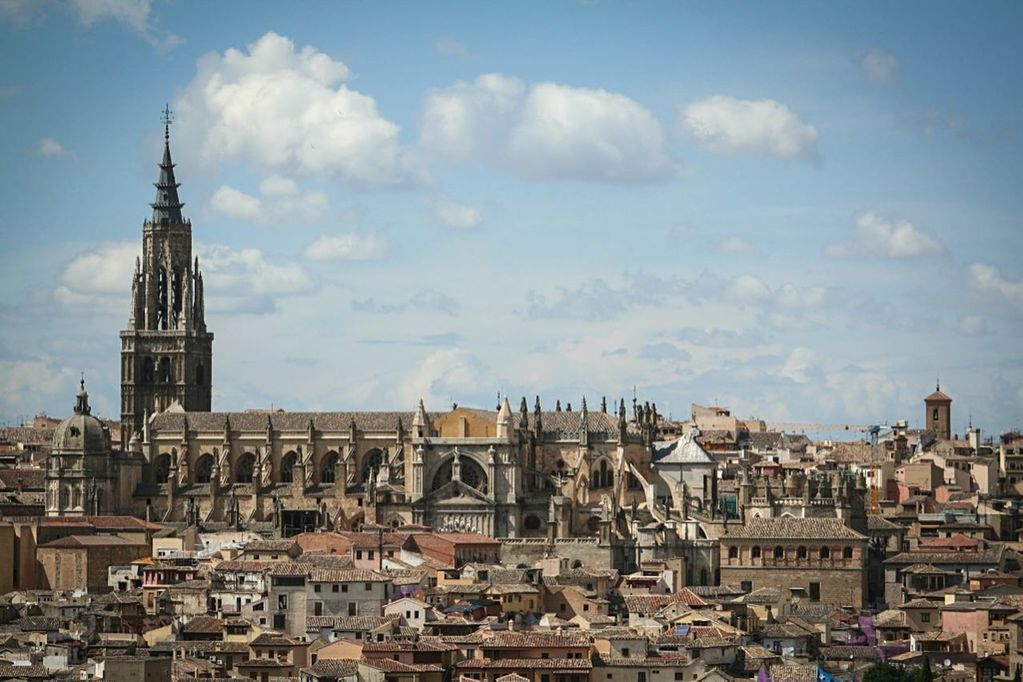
334,587
344,587
680,676
801,552
733,552
316,588
351,609
369,586
925,618
779,552
847,553
755,553
746,585
815,591
825,552
625,651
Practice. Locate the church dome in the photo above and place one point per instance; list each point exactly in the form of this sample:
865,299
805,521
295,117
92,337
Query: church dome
81,433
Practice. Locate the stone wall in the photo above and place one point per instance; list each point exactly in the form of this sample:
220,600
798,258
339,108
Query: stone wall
838,586
587,551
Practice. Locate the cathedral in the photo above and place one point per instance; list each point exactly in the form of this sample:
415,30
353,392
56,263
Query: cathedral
523,473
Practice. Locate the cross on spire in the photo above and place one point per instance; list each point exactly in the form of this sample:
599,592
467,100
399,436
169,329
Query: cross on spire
168,118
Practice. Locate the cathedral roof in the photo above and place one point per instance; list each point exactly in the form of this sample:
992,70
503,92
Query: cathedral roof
937,396
685,450
81,433
556,425
787,528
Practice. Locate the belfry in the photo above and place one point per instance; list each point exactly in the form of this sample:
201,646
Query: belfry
166,351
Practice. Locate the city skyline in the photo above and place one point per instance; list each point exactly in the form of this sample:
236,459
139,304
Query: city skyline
802,222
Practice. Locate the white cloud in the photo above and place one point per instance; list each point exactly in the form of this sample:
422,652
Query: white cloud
986,277
442,375
99,278
800,366
350,246
727,125
280,203
235,203
548,131
236,280
30,383
284,109
456,215
134,14
467,118
735,244
880,67
50,148
748,289
879,236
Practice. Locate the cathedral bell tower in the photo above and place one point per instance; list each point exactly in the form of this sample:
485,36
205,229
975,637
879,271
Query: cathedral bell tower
166,351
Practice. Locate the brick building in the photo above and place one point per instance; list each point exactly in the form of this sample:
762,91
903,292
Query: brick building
815,559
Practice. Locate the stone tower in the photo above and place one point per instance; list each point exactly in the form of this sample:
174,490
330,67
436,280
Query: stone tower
938,413
166,352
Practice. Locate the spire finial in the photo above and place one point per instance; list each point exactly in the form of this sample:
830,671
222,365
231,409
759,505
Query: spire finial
168,118
937,383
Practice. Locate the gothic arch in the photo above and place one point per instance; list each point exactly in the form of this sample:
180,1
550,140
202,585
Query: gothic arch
328,467
162,468
148,370
164,370
204,468
245,468
65,497
602,475
471,473
371,460
288,466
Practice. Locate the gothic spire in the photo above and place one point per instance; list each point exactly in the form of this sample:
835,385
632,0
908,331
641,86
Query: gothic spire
167,206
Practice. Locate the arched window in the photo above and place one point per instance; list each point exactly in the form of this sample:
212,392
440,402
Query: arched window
288,467
162,468
825,552
327,474
371,462
733,552
602,476
246,466
148,370
847,552
779,552
633,482
204,468
755,552
164,373
801,552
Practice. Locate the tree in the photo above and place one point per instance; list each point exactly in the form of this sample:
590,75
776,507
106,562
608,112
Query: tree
886,672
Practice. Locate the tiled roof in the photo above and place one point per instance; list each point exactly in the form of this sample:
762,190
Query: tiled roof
806,672
567,664
270,545
545,640
880,523
349,623
342,667
846,652
273,639
297,422
787,528
651,603
390,666
31,479
204,625
992,555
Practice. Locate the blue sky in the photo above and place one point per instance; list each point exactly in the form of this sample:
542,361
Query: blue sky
804,211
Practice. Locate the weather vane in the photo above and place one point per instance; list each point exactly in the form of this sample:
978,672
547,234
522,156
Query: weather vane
168,118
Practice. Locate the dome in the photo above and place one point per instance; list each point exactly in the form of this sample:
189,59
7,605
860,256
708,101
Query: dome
81,432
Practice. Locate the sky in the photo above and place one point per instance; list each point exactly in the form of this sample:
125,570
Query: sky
807,212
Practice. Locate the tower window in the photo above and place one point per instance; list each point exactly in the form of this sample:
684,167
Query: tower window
165,370
148,370
934,415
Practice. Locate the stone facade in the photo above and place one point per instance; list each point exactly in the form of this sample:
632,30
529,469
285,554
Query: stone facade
815,559
527,474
